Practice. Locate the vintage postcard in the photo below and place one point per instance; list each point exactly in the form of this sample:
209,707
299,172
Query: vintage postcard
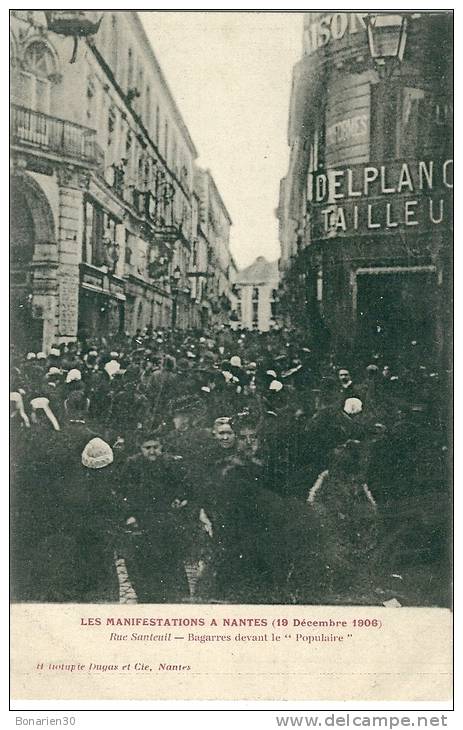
231,246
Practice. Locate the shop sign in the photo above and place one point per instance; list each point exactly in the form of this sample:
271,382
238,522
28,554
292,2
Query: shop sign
117,289
382,198
353,130
332,27
92,279
68,304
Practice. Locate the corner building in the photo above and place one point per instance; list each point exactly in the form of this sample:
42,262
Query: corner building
365,209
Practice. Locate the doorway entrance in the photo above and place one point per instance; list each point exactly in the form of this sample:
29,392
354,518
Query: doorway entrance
395,307
26,332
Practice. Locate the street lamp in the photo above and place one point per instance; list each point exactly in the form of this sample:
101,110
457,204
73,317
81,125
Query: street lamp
75,23
387,37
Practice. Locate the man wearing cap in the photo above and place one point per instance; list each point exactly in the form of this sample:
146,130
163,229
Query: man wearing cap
163,384
235,516
75,423
156,509
187,437
346,388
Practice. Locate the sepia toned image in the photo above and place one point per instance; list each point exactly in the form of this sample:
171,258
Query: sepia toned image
231,310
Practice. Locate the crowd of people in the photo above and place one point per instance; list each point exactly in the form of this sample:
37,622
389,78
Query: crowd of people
225,466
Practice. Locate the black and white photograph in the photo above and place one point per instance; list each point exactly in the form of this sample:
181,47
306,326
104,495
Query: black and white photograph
231,318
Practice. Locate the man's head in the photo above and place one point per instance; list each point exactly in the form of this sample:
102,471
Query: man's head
223,433
246,429
181,421
344,376
151,448
185,411
77,405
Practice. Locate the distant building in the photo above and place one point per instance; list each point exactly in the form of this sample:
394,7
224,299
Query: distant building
256,289
214,256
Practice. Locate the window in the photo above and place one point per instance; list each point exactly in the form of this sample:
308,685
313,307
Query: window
33,83
90,101
129,69
174,157
140,172
111,125
128,248
128,144
93,234
321,144
99,227
148,107
184,175
255,294
114,45
274,303
39,60
146,174
255,312
158,122
407,122
384,116
441,132
140,90
13,50
412,122
166,140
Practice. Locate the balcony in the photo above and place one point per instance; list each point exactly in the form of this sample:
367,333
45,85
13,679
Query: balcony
42,132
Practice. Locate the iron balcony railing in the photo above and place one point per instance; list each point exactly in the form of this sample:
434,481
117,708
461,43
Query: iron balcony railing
47,133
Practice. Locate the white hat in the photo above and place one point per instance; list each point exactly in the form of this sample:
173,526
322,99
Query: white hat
272,373
275,385
112,367
114,354
55,351
97,454
30,356
53,371
38,403
235,361
41,356
352,406
202,339
190,354
72,375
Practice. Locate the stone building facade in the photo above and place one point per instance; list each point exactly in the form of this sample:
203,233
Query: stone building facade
105,213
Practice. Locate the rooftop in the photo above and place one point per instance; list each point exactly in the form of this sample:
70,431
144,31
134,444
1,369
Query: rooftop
260,271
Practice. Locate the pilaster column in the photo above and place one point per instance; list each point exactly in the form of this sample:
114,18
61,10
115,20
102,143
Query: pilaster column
72,184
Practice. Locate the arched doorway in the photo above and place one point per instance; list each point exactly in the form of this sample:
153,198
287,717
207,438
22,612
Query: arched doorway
31,223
